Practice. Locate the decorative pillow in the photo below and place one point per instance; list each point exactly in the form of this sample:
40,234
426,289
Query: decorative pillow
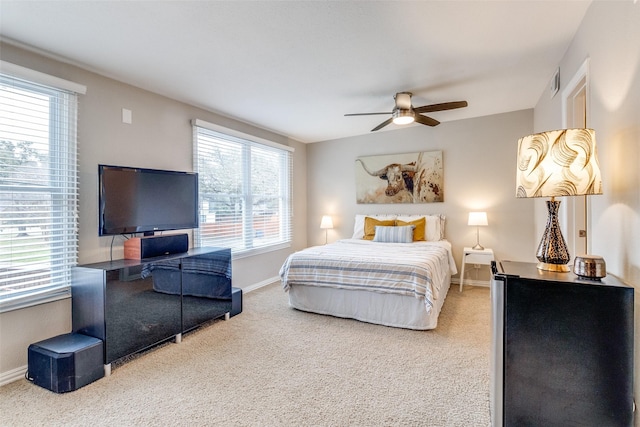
370,226
358,226
434,227
419,232
402,234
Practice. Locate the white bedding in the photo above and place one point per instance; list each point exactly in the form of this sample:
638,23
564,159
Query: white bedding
394,284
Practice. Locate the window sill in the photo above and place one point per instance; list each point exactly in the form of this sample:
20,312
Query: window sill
258,251
18,302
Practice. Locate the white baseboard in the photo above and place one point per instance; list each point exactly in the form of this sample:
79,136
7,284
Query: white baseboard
260,284
12,375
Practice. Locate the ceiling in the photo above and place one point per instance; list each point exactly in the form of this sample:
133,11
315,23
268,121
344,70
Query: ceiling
296,67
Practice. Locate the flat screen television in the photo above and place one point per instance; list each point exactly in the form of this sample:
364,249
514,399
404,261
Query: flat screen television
137,200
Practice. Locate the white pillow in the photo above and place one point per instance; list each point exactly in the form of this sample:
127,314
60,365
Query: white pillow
435,225
358,226
399,234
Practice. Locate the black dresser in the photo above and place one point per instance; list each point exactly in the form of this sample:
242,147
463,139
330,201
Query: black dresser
562,349
134,304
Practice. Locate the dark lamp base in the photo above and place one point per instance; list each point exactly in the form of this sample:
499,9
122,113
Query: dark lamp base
553,247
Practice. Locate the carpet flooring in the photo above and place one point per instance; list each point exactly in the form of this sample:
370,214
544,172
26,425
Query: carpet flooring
272,365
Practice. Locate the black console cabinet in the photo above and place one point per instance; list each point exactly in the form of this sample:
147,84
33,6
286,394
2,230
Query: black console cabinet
562,349
134,304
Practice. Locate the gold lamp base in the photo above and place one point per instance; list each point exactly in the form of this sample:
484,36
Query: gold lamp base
558,268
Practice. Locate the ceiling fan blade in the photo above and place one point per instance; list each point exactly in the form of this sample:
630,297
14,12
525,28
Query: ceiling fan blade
383,124
440,107
364,114
426,120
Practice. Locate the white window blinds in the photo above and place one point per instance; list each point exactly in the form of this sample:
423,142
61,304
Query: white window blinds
245,191
38,191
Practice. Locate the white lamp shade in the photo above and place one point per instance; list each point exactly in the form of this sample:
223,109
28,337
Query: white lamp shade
478,219
326,222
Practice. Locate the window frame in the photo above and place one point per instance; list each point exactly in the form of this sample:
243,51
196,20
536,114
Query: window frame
247,141
62,168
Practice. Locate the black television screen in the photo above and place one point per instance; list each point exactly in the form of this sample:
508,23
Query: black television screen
136,200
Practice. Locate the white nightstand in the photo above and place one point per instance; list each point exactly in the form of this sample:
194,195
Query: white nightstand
475,256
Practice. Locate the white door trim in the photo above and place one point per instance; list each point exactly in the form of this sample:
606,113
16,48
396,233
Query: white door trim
576,208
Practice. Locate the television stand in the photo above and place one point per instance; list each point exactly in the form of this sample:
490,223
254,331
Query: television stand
132,305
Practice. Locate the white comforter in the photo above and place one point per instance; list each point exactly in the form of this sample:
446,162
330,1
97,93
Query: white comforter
417,269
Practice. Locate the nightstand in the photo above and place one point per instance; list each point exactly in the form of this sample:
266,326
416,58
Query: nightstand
475,256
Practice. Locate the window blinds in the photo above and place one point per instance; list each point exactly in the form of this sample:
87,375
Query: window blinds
245,192
38,191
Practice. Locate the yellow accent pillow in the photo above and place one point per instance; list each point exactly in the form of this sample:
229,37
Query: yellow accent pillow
419,232
370,226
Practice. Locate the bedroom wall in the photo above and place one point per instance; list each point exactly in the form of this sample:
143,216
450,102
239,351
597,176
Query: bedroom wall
159,137
610,36
479,167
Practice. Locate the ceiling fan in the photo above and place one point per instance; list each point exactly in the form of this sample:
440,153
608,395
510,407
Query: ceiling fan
405,113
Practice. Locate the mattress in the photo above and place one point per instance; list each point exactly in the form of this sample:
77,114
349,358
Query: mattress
393,284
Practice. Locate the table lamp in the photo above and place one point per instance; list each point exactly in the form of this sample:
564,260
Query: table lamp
478,219
326,223
552,164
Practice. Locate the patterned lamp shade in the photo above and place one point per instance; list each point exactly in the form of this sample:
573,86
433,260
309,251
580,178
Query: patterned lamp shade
558,163
552,164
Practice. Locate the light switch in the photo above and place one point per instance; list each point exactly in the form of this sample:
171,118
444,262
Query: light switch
126,116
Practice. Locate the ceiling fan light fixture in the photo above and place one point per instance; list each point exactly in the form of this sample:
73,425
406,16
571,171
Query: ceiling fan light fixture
403,116
404,113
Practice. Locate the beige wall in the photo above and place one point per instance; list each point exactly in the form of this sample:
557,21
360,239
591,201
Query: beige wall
479,166
160,137
610,37
19,328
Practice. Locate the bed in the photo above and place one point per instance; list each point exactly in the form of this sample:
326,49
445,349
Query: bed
399,281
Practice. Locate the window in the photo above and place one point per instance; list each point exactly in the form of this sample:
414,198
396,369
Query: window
245,190
38,188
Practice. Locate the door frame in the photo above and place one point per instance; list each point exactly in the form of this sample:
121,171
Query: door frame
577,94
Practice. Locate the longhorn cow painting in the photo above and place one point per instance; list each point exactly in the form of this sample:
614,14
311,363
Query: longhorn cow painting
400,178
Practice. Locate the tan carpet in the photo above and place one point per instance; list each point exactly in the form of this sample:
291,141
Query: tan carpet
276,366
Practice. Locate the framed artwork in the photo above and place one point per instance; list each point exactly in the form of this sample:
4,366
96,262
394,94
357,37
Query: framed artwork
400,178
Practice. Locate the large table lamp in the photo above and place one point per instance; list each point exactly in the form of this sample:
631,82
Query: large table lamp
553,164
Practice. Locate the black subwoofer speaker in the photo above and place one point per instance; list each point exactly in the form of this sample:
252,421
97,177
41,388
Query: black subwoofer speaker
236,301
66,362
